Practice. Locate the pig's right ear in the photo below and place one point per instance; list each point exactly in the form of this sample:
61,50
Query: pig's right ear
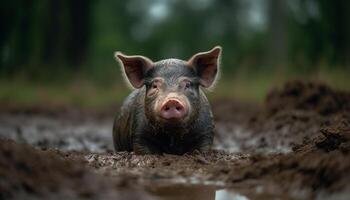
135,68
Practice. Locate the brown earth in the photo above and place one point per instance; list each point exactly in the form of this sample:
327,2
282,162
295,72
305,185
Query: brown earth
296,146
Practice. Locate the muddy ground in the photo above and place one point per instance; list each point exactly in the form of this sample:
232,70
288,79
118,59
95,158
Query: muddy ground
294,146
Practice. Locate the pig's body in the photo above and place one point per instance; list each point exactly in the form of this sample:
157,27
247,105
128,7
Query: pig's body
168,111
132,130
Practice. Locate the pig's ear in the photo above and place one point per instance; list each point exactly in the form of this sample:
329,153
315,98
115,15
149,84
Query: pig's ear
135,68
206,65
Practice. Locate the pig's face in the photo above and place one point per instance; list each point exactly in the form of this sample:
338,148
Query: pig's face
172,92
172,86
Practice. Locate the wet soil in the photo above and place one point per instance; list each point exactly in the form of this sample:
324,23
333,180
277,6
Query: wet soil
295,146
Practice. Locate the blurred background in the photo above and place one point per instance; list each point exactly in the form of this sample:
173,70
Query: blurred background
60,52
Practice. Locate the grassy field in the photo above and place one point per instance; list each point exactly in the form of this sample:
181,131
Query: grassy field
91,94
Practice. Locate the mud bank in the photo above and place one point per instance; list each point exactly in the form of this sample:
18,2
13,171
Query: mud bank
296,146
31,173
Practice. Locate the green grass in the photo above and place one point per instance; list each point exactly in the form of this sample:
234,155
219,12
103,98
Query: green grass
245,86
81,94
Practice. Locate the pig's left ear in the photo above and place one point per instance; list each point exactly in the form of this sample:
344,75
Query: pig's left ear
134,67
206,65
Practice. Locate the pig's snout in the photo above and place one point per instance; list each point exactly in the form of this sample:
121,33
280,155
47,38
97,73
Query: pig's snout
173,109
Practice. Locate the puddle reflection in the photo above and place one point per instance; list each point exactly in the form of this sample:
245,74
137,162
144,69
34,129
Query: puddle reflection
193,193
228,195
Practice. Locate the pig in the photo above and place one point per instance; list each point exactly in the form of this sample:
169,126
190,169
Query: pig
168,111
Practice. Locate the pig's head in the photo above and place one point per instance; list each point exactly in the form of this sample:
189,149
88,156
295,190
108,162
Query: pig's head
172,85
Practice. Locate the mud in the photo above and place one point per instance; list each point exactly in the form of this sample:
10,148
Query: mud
299,95
295,146
30,173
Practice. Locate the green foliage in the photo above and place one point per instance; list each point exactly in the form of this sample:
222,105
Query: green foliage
82,35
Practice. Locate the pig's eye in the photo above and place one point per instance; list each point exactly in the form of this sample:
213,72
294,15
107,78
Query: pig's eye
154,88
186,84
156,84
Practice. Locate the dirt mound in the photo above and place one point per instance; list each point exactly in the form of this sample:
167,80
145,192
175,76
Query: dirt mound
318,165
26,171
294,115
312,96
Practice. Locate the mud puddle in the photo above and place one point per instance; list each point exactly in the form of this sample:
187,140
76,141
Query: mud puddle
295,146
195,192
210,192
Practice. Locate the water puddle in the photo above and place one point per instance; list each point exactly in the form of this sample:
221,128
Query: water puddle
199,192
